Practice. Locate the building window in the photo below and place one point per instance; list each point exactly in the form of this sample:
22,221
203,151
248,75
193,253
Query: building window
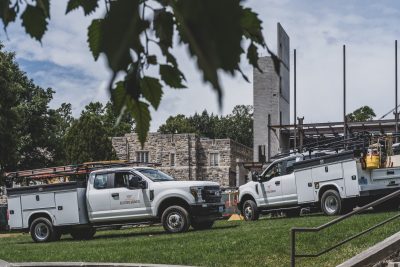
261,153
214,159
142,156
172,158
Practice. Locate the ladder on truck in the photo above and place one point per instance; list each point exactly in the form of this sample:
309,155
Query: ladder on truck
358,142
59,172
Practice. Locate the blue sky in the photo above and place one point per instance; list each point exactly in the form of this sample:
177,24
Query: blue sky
317,29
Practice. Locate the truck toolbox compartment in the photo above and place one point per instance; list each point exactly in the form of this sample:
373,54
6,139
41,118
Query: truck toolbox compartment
38,201
384,174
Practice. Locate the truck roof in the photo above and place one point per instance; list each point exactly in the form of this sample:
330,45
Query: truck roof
120,169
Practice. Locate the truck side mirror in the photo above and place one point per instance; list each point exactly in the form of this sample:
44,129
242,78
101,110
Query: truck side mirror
134,182
255,177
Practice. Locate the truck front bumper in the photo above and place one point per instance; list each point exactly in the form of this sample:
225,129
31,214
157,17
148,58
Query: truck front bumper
207,211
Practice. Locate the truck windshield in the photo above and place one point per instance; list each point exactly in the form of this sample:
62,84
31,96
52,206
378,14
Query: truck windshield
156,175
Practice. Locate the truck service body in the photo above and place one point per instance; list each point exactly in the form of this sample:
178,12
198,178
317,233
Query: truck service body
335,183
114,196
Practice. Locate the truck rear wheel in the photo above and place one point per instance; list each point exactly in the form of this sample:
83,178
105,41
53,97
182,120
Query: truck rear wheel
83,233
175,219
202,225
250,211
331,203
42,230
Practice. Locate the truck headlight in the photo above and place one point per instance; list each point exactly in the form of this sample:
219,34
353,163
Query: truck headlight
197,193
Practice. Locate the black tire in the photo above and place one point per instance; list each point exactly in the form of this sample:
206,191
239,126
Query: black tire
42,230
202,225
175,219
331,203
250,210
292,213
83,233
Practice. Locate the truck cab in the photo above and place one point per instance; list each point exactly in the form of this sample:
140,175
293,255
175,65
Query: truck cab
274,187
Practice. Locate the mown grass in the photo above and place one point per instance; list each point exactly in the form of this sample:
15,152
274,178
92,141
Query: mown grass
262,243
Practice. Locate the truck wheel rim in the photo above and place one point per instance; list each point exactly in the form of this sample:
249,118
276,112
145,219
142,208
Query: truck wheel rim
41,231
331,204
175,220
248,212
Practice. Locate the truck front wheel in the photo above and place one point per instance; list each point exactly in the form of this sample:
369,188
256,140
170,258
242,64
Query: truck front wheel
42,230
331,203
175,219
250,211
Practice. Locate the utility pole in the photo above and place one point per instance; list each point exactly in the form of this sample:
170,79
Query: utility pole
396,114
344,95
294,109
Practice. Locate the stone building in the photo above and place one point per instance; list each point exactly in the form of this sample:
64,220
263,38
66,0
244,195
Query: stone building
271,92
187,156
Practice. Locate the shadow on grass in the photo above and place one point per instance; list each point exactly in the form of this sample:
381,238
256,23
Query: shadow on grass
101,236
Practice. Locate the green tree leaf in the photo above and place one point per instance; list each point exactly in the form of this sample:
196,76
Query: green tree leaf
251,25
151,89
34,21
88,6
121,31
45,6
152,60
172,76
252,56
141,114
164,26
7,14
205,31
95,37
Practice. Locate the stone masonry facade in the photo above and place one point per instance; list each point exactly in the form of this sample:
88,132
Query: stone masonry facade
186,156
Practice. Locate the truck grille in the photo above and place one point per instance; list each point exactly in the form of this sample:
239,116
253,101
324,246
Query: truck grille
211,194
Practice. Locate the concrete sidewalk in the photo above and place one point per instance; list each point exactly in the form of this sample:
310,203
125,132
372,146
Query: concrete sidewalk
90,264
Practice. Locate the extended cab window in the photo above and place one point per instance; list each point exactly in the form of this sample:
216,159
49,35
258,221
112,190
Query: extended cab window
100,181
122,179
273,171
289,166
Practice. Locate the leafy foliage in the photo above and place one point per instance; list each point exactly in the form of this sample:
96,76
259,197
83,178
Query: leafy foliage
237,126
87,140
123,35
364,113
34,136
30,132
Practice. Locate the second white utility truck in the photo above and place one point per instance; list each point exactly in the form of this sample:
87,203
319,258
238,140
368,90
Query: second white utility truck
333,183
113,197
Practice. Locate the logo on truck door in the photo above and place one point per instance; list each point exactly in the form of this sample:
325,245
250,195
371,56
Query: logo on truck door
129,200
269,190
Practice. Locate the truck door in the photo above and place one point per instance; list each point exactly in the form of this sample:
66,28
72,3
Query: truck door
98,197
350,178
271,188
127,203
288,183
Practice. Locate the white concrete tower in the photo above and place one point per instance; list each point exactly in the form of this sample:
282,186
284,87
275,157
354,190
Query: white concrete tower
271,91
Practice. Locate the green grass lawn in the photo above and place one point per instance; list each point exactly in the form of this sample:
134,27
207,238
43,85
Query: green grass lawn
262,243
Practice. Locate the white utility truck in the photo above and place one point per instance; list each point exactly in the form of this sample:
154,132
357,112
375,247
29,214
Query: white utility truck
113,197
333,183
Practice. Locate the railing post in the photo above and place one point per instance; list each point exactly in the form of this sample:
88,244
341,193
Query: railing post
293,248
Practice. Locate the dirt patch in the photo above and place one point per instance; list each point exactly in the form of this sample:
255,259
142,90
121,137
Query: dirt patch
9,235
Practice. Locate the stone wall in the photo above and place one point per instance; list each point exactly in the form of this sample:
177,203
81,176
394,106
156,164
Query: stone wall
192,155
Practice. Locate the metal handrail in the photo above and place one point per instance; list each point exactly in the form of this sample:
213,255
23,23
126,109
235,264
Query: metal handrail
293,231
